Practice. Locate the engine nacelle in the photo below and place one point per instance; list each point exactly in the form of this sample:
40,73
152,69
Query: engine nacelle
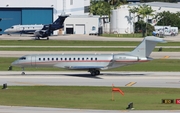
125,58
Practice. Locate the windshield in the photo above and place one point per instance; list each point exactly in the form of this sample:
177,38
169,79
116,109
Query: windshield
22,58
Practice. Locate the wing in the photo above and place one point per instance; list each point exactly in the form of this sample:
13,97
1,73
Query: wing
84,67
81,67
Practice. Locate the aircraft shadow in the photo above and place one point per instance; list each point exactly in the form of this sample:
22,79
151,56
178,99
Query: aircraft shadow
84,75
72,75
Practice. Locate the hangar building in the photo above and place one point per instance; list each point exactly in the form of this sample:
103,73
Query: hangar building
15,12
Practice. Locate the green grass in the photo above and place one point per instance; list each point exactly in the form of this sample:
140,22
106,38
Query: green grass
154,65
75,43
80,49
86,97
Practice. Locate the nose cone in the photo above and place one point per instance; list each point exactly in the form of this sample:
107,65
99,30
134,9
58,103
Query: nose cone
6,31
15,63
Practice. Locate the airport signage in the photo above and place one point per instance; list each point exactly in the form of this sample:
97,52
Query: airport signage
177,101
168,101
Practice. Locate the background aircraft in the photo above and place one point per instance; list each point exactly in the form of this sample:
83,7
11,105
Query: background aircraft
39,31
90,62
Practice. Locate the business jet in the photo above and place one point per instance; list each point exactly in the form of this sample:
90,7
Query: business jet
39,31
93,63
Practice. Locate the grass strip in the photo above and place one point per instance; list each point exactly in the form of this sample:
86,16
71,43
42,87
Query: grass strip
87,97
80,49
154,65
75,43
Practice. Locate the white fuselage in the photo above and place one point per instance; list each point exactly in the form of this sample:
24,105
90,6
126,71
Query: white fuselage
78,61
23,29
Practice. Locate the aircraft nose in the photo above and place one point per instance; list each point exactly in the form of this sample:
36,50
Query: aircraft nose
6,30
15,63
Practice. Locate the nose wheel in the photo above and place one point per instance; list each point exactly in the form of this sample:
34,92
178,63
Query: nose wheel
23,73
10,68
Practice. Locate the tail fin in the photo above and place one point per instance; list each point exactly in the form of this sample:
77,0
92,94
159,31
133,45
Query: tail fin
58,24
145,48
60,20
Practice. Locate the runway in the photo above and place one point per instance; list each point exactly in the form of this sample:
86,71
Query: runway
19,109
83,37
82,78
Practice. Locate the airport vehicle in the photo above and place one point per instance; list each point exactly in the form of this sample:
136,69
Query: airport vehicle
39,31
165,30
90,62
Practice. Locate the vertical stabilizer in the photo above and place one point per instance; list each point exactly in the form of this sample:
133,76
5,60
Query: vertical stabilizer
60,20
145,48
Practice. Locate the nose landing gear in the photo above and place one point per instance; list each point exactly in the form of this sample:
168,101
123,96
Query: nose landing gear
23,73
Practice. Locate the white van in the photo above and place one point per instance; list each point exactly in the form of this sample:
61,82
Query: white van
165,30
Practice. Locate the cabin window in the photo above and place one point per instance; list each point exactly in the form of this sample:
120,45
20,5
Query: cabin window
22,58
78,58
95,58
87,58
82,58
74,58
56,58
48,58
65,59
44,59
61,58
69,58
52,59
91,58
39,59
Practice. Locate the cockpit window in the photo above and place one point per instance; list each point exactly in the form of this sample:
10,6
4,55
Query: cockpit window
22,58
12,27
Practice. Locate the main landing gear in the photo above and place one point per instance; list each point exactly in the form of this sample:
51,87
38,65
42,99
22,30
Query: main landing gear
94,72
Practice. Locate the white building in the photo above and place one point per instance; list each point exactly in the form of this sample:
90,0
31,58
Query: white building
82,24
122,19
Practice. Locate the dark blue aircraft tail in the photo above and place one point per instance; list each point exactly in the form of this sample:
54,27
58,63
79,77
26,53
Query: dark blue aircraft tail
60,20
58,24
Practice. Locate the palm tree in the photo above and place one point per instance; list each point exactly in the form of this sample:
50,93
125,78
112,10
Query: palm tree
116,3
145,11
133,10
100,8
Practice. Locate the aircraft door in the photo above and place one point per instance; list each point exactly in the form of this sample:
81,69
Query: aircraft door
33,60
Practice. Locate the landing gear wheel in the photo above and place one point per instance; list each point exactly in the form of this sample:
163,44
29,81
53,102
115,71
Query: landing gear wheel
23,73
97,72
47,38
93,73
